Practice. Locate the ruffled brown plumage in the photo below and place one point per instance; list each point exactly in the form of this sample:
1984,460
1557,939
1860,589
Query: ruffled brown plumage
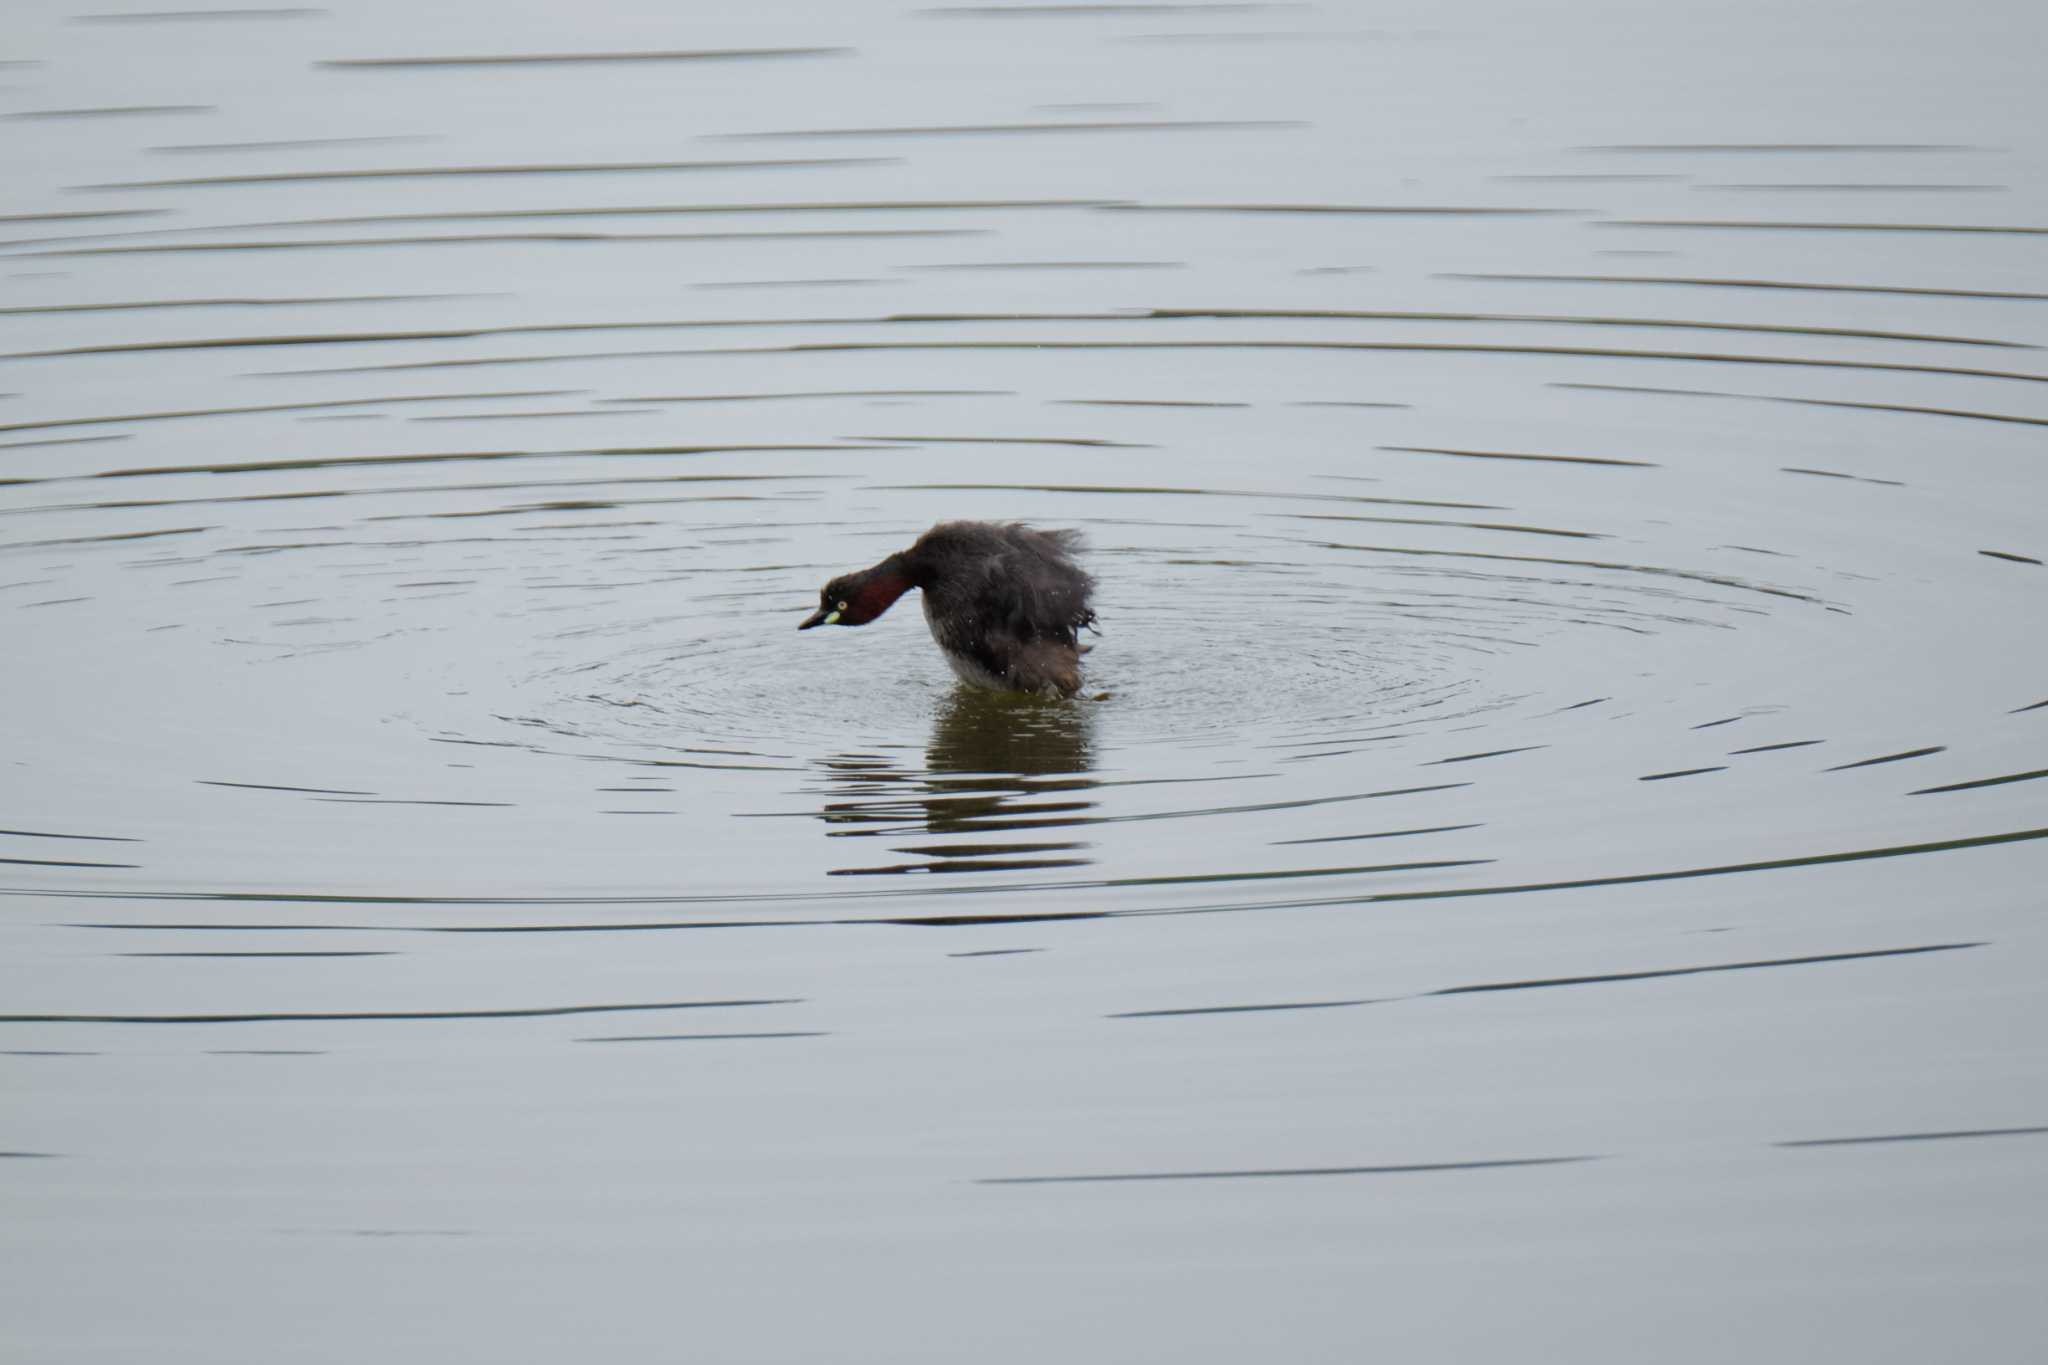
1006,602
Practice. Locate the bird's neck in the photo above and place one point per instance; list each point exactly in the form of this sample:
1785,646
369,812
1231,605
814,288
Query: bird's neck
883,584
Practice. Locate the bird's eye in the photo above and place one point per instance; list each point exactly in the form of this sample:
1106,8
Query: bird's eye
842,606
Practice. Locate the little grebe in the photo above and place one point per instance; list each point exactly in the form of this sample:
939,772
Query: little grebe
1005,602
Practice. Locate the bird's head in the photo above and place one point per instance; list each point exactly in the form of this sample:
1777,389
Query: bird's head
855,599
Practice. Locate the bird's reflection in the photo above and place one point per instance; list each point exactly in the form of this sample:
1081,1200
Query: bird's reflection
997,769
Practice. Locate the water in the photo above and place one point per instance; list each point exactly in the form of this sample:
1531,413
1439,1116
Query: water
1557,821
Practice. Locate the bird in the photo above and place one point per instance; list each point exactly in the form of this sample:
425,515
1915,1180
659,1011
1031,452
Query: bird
1005,602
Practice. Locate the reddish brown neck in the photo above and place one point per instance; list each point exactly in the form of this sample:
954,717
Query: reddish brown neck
878,591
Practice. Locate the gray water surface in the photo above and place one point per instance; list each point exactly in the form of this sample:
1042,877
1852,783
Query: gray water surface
1549,861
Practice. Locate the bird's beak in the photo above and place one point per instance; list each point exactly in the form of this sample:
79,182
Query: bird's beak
820,617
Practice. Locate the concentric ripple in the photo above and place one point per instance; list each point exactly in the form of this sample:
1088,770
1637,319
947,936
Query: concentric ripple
1559,783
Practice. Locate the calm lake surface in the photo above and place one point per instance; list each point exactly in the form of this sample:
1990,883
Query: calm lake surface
1550,864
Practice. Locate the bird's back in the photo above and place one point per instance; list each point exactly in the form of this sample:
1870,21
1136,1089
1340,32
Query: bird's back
1006,600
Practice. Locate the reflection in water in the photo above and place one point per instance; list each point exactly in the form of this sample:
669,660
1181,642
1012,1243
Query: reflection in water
996,763
978,731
